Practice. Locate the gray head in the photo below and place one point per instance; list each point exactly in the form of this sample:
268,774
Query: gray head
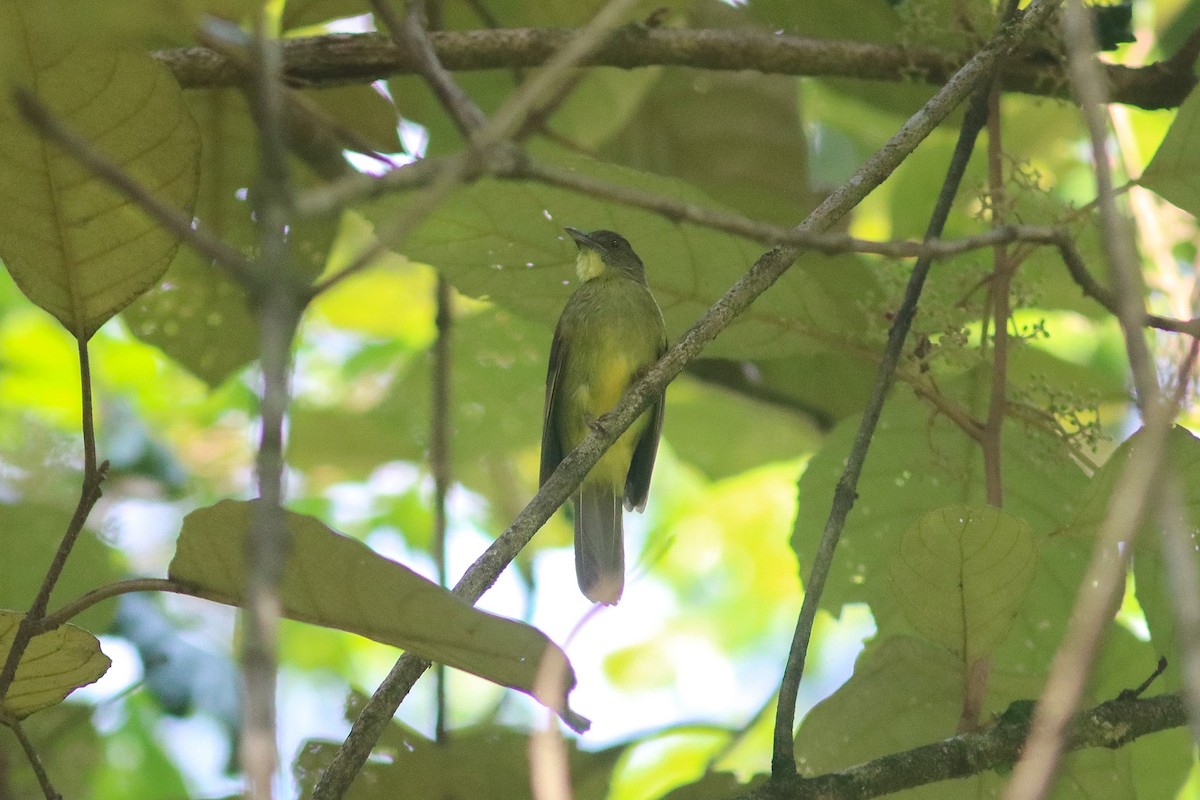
600,251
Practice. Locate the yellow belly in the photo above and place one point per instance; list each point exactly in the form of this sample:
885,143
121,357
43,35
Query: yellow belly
596,396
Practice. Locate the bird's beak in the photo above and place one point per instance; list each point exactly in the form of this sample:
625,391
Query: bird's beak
582,239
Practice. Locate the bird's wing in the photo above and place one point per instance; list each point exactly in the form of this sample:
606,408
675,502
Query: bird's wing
552,446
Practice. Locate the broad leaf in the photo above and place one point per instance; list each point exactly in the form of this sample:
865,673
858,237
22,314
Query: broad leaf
961,573
75,246
690,126
339,582
54,664
1174,172
919,462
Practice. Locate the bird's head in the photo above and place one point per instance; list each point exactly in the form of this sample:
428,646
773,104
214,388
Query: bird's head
604,251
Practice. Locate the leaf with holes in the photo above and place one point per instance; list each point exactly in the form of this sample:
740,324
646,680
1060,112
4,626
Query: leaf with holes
54,664
338,582
75,246
960,575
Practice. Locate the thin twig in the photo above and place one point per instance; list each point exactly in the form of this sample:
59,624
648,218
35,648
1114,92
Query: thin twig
783,757
1092,288
377,715
439,463
1137,487
174,220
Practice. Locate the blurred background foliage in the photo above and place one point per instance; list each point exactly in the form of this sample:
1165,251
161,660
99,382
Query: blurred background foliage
679,679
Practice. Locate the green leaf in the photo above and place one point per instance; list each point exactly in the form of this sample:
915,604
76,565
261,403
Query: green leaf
692,126
77,753
1174,172
961,573
504,241
606,99
76,247
198,315
54,664
153,774
339,582
919,461
393,300
948,25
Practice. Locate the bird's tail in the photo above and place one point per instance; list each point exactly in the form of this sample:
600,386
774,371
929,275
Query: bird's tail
599,545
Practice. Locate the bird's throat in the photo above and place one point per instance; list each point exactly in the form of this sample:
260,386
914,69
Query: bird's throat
588,264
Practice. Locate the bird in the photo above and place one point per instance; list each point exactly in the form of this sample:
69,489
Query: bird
610,332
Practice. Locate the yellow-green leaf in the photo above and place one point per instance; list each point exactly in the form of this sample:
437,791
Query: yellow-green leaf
54,664
76,247
1172,173
960,575
338,582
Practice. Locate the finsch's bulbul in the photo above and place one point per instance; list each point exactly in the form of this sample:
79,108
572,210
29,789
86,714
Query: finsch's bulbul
610,332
